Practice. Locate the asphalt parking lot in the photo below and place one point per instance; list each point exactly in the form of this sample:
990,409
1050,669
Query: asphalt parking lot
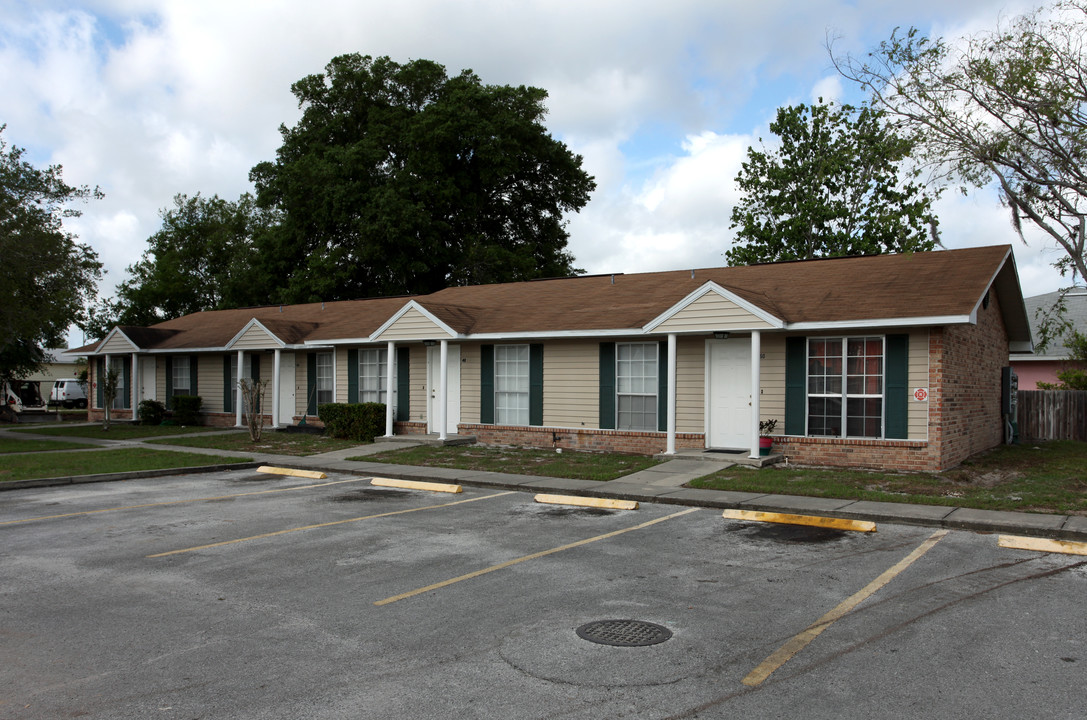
241,595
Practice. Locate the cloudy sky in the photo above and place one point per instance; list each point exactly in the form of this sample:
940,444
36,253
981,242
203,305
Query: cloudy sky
150,98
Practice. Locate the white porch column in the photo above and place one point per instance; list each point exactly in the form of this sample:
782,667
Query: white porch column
390,409
105,374
275,389
443,390
134,391
670,448
238,391
756,390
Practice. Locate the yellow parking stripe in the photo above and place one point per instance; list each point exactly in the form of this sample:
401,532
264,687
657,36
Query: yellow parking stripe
798,642
323,525
1065,547
533,556
179,502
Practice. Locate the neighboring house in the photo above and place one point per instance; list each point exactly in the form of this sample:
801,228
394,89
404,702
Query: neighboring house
63,364
1043,366
890,361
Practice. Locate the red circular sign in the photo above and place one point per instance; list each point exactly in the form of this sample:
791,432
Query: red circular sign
921,394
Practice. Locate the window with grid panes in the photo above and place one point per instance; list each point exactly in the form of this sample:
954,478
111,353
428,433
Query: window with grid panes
636,386
373,375
324,378
511,384
845,386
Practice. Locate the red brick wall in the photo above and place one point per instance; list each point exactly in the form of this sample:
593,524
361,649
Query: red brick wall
964,377
624,441
907,455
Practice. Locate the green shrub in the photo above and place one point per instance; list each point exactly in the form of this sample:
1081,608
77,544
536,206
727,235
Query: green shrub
187,409
152,412
362,422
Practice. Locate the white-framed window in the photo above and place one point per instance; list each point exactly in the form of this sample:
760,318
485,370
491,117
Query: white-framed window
511,384
325,378
373,375
180,376
118,364
636,367
845,386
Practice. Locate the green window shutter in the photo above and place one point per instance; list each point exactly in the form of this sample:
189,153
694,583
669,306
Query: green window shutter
228,389
169,382
403,384
486,385
535,384
193,374
126,370
662,386
607,386
100,372
896,390
796,385
311,383
353,376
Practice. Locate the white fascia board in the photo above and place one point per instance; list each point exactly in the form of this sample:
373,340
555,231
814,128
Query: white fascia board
250,324
882,323
1021,352
977,305
342,341
402,311
556,334
109,336
713,287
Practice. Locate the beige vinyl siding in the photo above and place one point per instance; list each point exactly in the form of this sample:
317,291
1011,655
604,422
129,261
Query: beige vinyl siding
708,313
417,372
339,372
690,384
160,378
469,383
117,345
772,380
209,381
571,385
412,325
917,416
255,338
301,384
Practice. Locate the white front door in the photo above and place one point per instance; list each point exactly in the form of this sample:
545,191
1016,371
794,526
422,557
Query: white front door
287,396
433,374
147,378
729,393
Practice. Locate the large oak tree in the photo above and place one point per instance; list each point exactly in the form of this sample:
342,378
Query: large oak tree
401,179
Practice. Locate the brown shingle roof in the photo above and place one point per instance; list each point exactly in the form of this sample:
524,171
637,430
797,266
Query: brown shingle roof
841,290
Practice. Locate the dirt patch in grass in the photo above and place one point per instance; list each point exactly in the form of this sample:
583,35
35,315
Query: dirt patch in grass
275,443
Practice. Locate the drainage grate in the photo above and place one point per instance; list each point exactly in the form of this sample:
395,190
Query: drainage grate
623,633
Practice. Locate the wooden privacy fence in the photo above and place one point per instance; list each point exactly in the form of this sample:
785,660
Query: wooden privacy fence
1052,415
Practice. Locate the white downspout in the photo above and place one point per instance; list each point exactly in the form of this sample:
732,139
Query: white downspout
134,391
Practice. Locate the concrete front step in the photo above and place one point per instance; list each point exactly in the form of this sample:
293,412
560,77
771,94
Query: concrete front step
429,439
720,457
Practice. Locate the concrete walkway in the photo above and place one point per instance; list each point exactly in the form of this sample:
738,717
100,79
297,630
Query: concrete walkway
663,483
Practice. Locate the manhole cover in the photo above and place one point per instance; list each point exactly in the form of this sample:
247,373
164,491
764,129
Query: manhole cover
624,633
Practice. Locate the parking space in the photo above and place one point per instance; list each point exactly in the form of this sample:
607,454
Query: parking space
257,596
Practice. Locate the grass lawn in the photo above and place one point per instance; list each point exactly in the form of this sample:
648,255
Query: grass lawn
11,445
278,443
548,463
27,467
116,431
1047,477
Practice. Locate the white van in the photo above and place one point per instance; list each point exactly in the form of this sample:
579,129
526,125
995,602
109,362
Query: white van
68,393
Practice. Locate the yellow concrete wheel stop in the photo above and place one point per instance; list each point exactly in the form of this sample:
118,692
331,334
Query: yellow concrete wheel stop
416,485
312,474
593,502
812,520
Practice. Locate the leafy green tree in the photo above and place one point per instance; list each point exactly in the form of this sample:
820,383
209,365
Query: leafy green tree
47,277
1004,108
400,179
836,184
